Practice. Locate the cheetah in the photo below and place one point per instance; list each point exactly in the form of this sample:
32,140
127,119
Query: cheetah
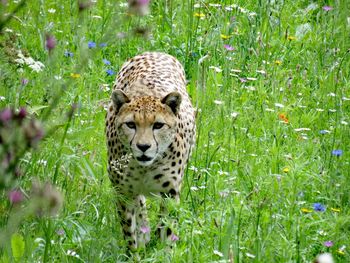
150,130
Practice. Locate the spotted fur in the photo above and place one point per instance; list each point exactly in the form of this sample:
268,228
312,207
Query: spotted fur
150,129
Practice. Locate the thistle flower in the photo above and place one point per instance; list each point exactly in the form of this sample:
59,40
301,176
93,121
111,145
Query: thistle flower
15,196
50,42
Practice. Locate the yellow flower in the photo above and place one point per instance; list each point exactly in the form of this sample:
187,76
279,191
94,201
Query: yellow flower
278,62
200,15
286,170
75,75
224,37
291,38
337,210
306,210
341,252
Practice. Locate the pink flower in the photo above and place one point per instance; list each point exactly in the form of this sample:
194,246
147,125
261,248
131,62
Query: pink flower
328,243
50,42
228,47
145,229
327,8
15,196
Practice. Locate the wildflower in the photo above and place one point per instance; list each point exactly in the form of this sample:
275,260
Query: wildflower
324,258
328,243
218,253
228,47
319,207
337,152
234,114
33,132
291,38
15,196
103,44
22,113
24,82
51,10
174,237
60,232
336,210
279,105
200,15
75,75
50,42
48,198
68,54
286,170
242,80
145,229
91,44
306,210
110,72
278,62
224,37
106,62
324,131
341,250
283,117
327,8
302,129
6,115
218,102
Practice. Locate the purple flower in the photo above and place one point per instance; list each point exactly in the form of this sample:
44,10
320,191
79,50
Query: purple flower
328,243
22,113
24,82
229,48
319,207
6,115
15,196
103,45
110,72
106,62
145,229
174,237
60,232
337,152
68,54
50,42
91,44
327,8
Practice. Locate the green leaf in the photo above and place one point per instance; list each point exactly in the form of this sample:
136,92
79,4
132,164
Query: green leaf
17,246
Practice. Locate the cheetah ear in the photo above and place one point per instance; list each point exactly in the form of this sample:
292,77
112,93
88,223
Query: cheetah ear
119,98
173,100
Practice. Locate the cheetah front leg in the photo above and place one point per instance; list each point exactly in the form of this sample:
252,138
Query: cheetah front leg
142,224
168,222
133,219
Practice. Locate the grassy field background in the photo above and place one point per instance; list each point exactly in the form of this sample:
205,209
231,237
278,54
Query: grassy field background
269,180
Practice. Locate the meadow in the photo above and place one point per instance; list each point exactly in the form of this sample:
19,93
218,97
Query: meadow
269,179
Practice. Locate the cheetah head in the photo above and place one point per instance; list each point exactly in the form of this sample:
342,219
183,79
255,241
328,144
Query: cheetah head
146,125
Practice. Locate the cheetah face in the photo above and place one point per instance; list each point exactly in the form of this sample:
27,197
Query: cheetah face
146,125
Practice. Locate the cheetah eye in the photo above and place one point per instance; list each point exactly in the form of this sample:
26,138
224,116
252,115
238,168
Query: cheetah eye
131,124
157,125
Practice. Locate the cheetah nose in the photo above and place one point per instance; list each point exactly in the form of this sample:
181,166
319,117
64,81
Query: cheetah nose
143,147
